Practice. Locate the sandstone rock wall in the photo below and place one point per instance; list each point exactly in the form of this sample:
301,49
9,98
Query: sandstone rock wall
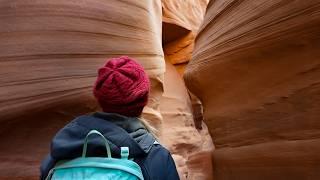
256,68
49,55
50,50
191,147
183,131
184,19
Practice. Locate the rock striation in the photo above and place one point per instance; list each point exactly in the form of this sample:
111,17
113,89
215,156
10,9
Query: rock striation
49,51
181,21
256,69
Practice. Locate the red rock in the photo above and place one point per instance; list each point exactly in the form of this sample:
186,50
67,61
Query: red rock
181,21
255,67
191,147
50,51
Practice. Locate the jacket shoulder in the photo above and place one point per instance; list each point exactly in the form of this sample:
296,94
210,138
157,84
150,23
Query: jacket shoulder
159,164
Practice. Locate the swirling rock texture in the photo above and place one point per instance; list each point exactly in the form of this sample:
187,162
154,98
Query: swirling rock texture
50,50
181,21
256,68
49,55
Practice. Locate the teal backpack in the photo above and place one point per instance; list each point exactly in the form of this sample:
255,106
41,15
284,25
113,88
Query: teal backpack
97,168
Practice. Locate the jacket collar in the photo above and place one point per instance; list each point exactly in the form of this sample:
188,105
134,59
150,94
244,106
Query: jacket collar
132,126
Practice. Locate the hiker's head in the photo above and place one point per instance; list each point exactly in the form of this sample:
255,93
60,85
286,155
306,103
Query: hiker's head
122,87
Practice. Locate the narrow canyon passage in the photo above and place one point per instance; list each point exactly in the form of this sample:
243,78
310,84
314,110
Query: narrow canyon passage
50,52
234,84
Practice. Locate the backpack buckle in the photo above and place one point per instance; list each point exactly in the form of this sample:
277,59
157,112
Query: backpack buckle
124,152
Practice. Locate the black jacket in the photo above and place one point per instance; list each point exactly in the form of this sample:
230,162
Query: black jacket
155,161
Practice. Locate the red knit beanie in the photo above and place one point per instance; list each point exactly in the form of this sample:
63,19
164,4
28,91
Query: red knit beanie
122,87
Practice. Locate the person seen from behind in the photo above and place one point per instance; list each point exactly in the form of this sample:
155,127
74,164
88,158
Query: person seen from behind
121,89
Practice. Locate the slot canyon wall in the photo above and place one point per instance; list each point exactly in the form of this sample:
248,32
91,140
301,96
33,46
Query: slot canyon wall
191,148
256,68
183,130
181,22
49,55
50,50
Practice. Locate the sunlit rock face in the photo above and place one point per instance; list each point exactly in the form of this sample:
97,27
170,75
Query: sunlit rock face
181,21
256,68
191,147
183,131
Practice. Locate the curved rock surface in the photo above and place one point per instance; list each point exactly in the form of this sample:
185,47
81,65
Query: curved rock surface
50,50
256,68
187,14
191,147
183,19
183,130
